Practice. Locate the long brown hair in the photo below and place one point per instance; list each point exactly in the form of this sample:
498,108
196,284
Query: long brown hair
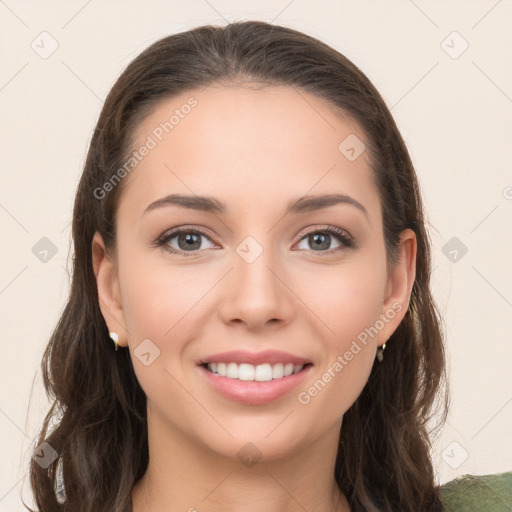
97,423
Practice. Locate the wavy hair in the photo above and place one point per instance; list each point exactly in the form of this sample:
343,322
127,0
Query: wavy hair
97,421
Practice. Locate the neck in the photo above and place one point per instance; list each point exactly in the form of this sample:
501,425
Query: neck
184,475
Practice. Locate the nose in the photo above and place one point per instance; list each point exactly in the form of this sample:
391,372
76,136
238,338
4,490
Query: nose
257,293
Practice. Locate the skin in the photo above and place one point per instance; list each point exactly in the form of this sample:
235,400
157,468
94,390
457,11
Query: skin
254,148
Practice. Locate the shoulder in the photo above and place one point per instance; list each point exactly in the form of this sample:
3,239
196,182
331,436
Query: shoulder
468,493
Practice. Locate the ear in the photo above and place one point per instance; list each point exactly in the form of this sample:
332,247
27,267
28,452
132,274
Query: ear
399,285
109,295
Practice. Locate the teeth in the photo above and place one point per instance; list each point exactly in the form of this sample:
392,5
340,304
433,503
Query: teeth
249,372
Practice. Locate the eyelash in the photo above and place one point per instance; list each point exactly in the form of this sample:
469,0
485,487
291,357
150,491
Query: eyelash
342,236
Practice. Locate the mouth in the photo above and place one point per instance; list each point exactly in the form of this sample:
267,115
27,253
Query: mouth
254,378
258,373
254,384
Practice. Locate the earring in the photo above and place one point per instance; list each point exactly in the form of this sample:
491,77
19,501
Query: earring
115,337
380,351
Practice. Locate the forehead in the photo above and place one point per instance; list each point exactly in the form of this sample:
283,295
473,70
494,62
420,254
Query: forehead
250,142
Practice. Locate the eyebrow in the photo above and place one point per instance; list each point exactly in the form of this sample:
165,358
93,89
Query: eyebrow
209,204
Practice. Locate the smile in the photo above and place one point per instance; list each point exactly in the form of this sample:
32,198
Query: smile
252,391
248,372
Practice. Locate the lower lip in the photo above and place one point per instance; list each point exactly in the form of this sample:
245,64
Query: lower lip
254,392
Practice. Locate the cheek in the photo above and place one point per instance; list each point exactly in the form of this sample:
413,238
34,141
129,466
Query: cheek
157,297
336,388
163,302
349,305
158,303
349,356
347,299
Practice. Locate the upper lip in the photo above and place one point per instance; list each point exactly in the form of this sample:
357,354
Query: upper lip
242,356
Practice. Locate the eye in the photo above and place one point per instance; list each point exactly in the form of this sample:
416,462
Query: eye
321,239
189,241
183,241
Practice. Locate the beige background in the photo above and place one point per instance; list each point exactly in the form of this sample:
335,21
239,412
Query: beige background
454,113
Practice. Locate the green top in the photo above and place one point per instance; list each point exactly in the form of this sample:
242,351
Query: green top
485,493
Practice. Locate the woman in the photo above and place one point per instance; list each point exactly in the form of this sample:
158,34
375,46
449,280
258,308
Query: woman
250,324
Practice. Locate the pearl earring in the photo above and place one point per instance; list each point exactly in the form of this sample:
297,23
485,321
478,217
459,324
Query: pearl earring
115,337
380,351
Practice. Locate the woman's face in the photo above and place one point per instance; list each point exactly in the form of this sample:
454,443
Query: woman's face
265,273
